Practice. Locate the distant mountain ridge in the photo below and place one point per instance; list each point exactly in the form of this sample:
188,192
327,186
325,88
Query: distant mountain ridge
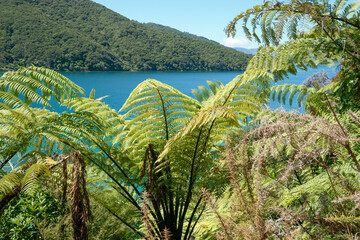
175,31
251,51
81,35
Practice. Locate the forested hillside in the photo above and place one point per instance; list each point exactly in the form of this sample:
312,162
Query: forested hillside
175,31
81,35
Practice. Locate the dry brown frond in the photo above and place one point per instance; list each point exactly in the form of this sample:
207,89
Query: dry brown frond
146,218
284,151
166,234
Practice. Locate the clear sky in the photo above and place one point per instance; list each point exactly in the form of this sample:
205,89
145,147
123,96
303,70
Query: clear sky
207,18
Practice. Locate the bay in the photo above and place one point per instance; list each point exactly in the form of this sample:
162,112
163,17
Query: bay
118,85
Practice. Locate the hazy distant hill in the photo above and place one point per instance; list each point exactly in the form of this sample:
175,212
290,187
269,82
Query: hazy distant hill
80,35
251,51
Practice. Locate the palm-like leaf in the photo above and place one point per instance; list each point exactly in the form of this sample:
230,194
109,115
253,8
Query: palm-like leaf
26,178
111,118
288,58
229,108
276,18
155,112
329,33
17,91
33,84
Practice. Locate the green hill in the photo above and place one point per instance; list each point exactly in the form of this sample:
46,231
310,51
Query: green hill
175,31
80,35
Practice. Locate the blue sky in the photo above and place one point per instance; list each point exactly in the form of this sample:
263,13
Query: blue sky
200,17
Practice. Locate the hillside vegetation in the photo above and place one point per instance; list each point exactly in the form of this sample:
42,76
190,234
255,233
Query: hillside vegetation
81,35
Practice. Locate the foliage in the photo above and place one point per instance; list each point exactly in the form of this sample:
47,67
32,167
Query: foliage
162,166
294,176
144,154
40,216
82,35
319,32
105,225
165,131
24,218
174,31
23,126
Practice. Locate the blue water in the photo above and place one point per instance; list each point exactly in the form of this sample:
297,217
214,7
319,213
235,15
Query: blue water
118,85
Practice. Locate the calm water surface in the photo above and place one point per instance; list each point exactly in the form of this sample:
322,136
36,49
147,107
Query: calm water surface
118,85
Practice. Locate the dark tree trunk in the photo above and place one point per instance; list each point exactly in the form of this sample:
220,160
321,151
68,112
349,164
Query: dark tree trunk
80,208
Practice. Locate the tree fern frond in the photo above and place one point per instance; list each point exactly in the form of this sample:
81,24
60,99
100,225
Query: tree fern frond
279,60
9,101
338,6
31,179
8,181
215,86
150,108
203,94
61,85
111,117
281,92
224,111
314,187
354,6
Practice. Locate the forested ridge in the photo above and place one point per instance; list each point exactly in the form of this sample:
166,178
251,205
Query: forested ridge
82,35
175,31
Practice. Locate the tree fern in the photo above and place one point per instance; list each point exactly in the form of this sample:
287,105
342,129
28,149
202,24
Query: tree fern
276,17
229,108
31,178
111,118
155,111
286,58
17,91
27,81
203,93
329,32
